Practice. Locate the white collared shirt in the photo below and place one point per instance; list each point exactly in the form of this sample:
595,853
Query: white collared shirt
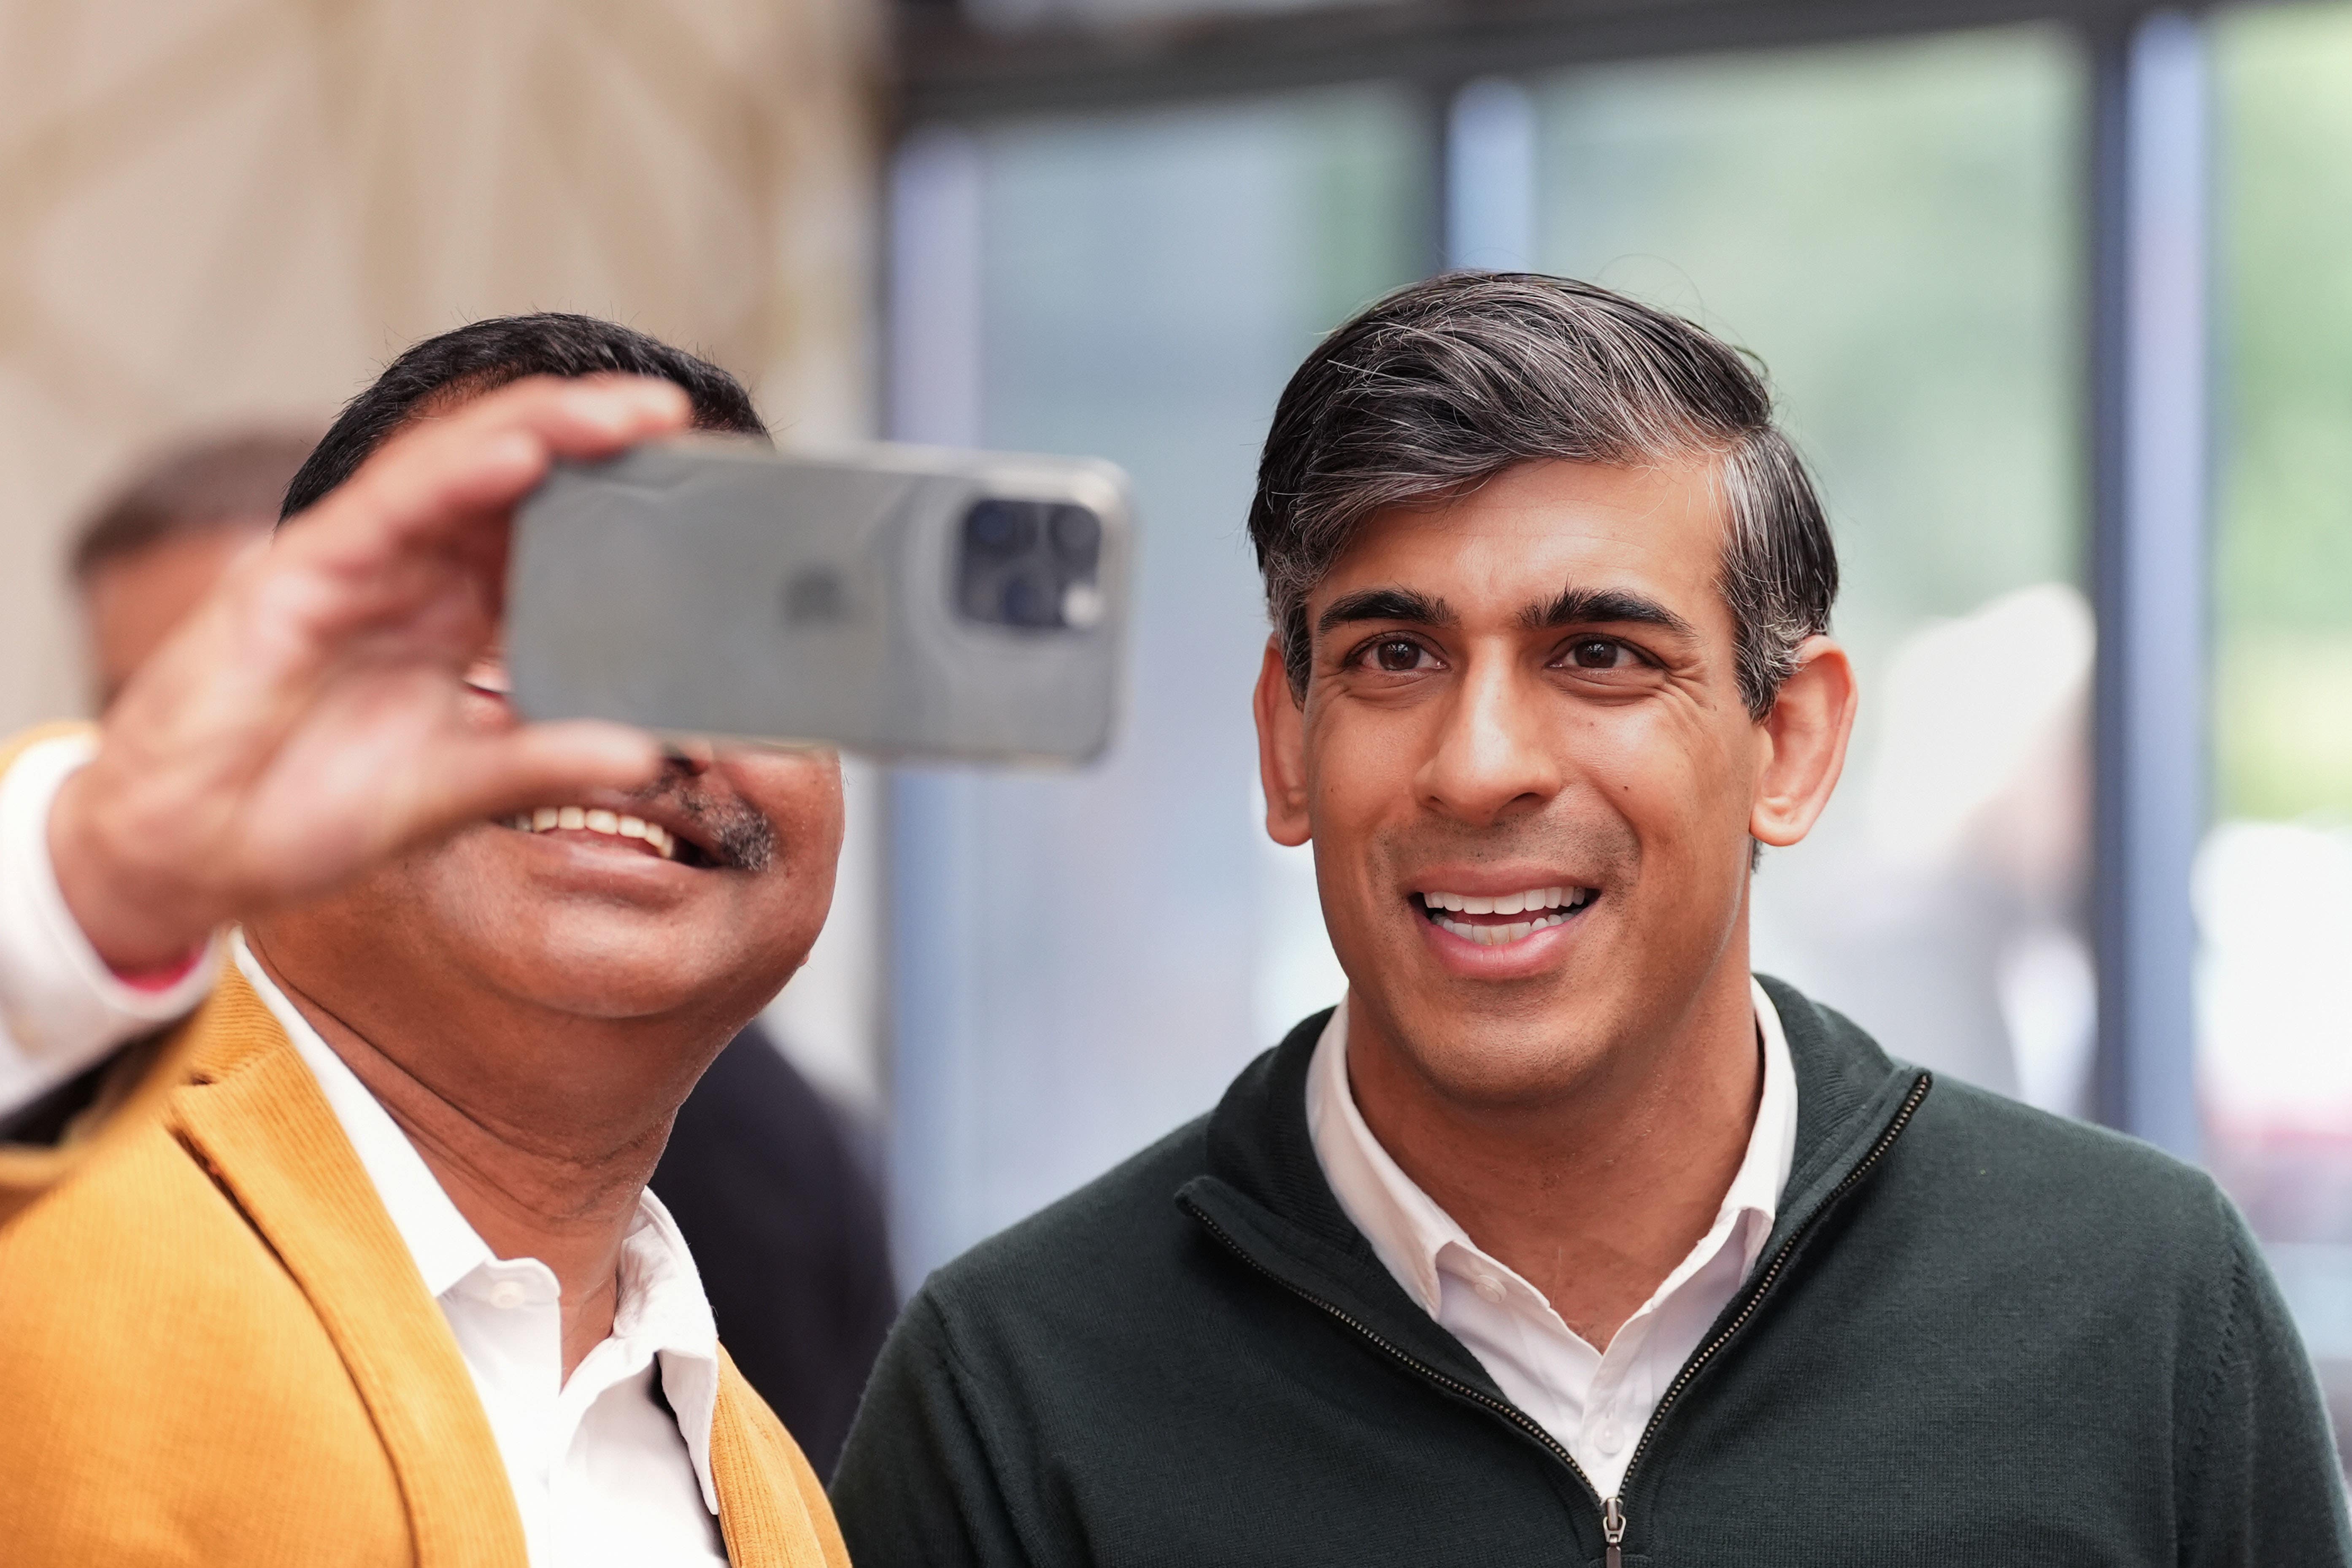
1595,1404
61,1009
602,1473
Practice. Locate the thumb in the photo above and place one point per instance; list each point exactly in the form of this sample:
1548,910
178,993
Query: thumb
483,775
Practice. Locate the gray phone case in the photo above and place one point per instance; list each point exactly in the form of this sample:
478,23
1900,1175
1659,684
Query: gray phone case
712,587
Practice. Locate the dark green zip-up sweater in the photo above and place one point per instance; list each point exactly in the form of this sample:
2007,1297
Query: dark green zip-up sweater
1977,1334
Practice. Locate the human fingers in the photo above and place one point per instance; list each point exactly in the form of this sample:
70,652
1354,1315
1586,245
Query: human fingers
484,773
446,477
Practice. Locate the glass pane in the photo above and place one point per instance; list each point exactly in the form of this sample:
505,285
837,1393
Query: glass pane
1146,285
1892,229
2274,878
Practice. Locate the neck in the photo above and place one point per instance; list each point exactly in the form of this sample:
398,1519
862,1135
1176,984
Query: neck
1592,1196
555,1176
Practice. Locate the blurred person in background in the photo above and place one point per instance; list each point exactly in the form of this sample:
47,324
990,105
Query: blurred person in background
783,1221
1564,1237
357,1263
151,551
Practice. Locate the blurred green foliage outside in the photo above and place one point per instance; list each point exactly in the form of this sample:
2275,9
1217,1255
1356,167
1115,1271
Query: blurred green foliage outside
2282,670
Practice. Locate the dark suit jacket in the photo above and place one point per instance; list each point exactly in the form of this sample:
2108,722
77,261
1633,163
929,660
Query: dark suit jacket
787,1230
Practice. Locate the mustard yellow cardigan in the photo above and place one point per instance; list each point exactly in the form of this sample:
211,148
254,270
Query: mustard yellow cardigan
216,1350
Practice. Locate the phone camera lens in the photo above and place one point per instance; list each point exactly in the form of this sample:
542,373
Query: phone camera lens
1028,603
1077,534
1001,527
1029,565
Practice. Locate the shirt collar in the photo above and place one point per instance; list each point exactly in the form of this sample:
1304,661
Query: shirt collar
1763,1173
444,1244
664,1308
1408,1230
661,1307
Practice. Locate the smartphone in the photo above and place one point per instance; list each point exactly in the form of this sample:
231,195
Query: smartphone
907,603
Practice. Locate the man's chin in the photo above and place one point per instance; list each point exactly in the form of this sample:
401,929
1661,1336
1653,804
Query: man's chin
1498,1035
596,957
1504,1062
607,990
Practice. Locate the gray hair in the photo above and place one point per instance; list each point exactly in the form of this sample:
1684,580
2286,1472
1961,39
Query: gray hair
1445,383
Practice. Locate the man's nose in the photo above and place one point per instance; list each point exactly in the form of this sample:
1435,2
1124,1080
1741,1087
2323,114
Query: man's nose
1495,752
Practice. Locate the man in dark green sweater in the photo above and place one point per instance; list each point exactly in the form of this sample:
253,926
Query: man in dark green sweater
1563,1240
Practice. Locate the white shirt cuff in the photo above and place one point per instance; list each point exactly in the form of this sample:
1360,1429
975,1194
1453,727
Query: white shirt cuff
62,1009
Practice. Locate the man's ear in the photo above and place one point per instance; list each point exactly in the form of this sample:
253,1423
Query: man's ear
1804,738
1281,750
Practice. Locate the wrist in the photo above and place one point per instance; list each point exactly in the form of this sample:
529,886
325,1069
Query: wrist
140,919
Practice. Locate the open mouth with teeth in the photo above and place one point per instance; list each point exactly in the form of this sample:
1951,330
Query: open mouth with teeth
1498,920
651,836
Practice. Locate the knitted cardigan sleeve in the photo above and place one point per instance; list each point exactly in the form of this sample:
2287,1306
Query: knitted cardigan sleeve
2257,1474
919,1484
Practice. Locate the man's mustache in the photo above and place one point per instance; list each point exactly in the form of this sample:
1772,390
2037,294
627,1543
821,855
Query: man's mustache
738,836
1605,852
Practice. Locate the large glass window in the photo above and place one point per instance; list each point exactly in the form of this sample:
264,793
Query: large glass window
2274,878
1894,230
1086,961
1898,229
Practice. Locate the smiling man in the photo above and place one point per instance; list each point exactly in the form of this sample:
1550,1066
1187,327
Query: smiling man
358,1264
1564,1239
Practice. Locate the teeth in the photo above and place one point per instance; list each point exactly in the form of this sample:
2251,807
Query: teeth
1502,935
548,818
1531,901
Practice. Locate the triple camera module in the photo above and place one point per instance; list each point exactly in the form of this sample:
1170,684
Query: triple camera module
1031,565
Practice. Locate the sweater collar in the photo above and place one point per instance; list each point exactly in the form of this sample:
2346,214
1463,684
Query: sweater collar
1413,1234
1264,1192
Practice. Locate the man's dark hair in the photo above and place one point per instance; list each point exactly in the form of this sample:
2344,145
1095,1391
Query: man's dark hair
229,479
1445,383
489,354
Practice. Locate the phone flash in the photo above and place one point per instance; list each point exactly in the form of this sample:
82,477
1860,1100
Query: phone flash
1082,605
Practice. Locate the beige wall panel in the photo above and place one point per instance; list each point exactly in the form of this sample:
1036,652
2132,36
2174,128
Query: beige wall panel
212,209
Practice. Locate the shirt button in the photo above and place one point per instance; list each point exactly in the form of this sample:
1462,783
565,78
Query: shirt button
508,1294
1489,1288
1612,1439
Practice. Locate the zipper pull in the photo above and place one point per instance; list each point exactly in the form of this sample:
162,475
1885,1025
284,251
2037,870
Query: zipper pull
1612,1531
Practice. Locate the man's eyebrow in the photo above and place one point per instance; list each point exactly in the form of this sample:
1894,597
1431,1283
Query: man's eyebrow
1386,604
1589,606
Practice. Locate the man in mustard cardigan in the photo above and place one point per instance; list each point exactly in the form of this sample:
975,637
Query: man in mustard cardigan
357,1265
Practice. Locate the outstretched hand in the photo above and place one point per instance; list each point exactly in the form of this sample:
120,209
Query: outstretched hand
310,720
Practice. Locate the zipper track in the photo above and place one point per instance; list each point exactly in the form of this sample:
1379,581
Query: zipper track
1501,1407
1706,1352
1765,1280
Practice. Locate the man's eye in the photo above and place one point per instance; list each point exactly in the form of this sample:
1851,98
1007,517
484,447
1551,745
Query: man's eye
1397,655
1597,653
